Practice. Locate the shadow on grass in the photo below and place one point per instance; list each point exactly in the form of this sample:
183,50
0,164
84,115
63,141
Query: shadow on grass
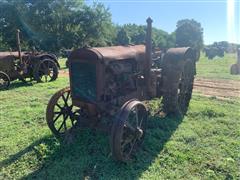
89,156
18,84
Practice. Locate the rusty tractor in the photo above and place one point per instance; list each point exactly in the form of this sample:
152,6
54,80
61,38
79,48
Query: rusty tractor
108,87
235,68
42,67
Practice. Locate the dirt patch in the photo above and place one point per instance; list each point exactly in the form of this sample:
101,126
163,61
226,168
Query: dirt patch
219,88
63,73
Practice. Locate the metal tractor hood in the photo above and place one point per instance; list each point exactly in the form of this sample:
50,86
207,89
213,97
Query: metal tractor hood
108,54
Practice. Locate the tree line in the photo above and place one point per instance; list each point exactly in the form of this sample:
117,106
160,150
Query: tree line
53,25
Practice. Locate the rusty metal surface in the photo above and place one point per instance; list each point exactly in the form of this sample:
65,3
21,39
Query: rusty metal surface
109,83
128,130
178,54
3,55
112,53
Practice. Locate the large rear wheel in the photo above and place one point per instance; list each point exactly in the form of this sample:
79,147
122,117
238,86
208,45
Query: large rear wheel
178,87
186,85
45,71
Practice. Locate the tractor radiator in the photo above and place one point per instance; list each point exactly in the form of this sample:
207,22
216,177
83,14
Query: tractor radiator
83,81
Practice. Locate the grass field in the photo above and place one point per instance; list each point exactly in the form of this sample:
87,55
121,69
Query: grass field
205,144
218,68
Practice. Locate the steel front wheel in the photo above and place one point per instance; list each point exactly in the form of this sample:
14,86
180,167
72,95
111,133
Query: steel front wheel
61,114
45,71
4,81
128,130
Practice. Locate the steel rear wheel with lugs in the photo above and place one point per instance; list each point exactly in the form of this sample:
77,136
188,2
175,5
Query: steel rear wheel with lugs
179,84
4,81
128,130
45,71
186,85
61,115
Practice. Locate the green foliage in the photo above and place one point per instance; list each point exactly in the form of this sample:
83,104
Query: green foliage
189,33
55,24
122,37
137,35
3,45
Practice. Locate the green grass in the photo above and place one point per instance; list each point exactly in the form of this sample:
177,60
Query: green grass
205,144
218,68
62,63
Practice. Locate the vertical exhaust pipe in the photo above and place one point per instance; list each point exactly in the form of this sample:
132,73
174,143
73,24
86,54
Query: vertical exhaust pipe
19,46
148,55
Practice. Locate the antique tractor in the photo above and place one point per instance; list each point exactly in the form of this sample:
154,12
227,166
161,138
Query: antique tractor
108,86
41,67
235,68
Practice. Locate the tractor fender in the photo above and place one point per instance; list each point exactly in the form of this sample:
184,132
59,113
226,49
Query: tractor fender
180,54
175,58
49,56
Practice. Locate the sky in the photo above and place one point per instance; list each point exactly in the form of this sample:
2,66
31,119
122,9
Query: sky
220,19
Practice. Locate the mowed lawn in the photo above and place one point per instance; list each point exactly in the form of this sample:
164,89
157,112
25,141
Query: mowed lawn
205,144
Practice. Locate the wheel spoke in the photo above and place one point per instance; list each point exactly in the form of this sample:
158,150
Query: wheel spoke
65,99
60,126
126,141
57,117
59,106
140,125
63,123
132,146
68,94
128,125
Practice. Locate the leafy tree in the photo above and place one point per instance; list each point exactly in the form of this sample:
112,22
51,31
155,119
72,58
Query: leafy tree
54,24
123,37
189,33
137,34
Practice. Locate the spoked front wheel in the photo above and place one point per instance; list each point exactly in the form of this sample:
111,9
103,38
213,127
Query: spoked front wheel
61,115
128,130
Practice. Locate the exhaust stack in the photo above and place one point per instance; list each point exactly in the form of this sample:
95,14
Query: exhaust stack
19,46
148,55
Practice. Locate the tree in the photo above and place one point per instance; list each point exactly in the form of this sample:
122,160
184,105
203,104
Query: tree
123,37
51,25
189,33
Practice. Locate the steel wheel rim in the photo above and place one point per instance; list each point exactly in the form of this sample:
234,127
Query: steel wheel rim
46,71
61,115
185,86
126,137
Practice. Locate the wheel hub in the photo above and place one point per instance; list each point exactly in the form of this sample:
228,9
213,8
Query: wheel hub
66,110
